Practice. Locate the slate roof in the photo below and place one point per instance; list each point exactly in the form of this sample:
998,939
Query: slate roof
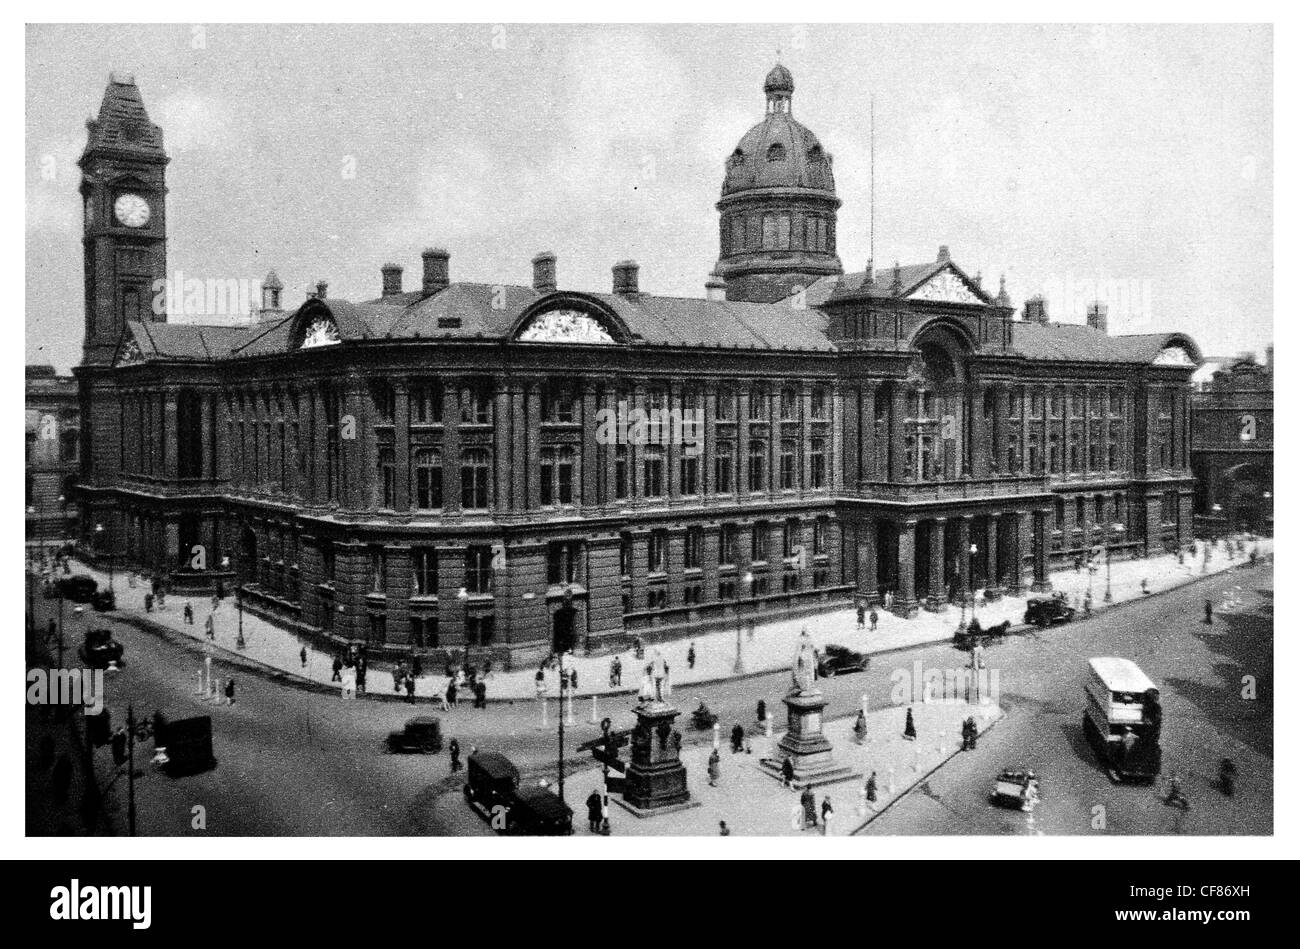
123,124
1075,342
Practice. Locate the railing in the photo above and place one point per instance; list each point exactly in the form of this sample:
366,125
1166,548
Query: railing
960,489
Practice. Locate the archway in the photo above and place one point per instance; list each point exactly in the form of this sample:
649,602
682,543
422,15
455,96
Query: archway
563,629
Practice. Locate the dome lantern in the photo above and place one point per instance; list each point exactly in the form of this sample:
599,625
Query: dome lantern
779,89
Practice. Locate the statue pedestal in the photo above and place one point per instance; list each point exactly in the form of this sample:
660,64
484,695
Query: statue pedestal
808,749
656,778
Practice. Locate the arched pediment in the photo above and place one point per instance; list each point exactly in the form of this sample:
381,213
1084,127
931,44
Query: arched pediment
570,318
1178,350
315,326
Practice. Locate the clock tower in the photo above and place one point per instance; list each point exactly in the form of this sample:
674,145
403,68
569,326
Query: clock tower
125,223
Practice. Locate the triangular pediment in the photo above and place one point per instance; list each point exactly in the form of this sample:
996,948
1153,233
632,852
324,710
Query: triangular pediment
948,285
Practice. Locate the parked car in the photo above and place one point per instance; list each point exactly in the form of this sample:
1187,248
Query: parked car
1048,611
422,734
188,746
103,601
100,649
837,660
79,588
492,788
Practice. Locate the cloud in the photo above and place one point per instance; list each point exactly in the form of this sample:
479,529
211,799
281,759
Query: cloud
191,121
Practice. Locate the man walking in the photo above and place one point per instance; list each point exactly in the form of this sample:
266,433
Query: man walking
862,615
875,618
338,669
453,750
593,811
690,656
302,656
230,691
1209,613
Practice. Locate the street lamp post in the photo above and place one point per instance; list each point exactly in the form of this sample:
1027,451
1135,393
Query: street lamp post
564,681
1107,597
970,592
739,667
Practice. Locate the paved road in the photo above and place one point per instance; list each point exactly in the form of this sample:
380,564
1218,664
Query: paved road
296,762
1200,669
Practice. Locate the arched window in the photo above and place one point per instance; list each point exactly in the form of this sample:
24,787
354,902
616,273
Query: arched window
776,152
428,479
475,465
737,158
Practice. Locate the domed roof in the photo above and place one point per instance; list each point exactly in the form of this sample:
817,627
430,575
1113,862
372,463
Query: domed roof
779,80
779,152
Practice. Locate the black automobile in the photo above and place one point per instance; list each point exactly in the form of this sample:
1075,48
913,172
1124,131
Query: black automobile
1048,611
491,780
79,588
538,812
100,649
837,660
103,601
420,735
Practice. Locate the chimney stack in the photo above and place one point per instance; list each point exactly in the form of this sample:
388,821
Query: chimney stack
437,270
1097,316
392,279
1036,310
625,278
1268,357
943,254
715,288
321,287
544,272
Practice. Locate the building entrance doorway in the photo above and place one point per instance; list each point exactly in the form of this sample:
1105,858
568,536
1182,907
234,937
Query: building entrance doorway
563,635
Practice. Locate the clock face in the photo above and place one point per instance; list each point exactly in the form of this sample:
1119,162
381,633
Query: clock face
132,210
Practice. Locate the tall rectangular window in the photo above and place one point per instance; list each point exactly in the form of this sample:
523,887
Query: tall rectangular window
425,565
724,461
428,479
694,548
727,545
478,569
475,466
657,552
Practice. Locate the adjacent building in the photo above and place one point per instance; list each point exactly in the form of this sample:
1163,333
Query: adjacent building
1232,446
53,432
511,469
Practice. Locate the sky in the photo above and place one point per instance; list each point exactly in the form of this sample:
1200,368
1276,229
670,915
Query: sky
1130,164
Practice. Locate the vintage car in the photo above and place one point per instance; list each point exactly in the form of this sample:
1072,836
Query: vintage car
100,649
493,789
1048,611
490,781
103,601
79,588
422,734
538,812
968,636
837,660
1016,789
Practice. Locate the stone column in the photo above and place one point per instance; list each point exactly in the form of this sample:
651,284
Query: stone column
402,445
936,600
905,596
865,538
590,451
1012,568
898,468
847,473
451,449
993,582
963,555
502,472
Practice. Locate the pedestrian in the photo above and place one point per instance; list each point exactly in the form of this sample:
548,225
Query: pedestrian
690,656
1209,613
860,728
399,674
410,688
361,673
480,694
787,772
715,768
302,656
809,803
230,691
449,697
188,613
762,711
453,749
862,616
974,733
209,624
593,811
148,604
1145,589
338,670
871,788
723,829
909,728
615,673
875,618
573,679
737,739
828,815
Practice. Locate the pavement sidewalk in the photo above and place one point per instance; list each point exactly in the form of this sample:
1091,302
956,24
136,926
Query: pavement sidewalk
755,804
751,649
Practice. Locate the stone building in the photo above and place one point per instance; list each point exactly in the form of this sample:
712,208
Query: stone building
1232,446
53,432
512,469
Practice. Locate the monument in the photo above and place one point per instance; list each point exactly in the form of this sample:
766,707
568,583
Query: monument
655,782
804,744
